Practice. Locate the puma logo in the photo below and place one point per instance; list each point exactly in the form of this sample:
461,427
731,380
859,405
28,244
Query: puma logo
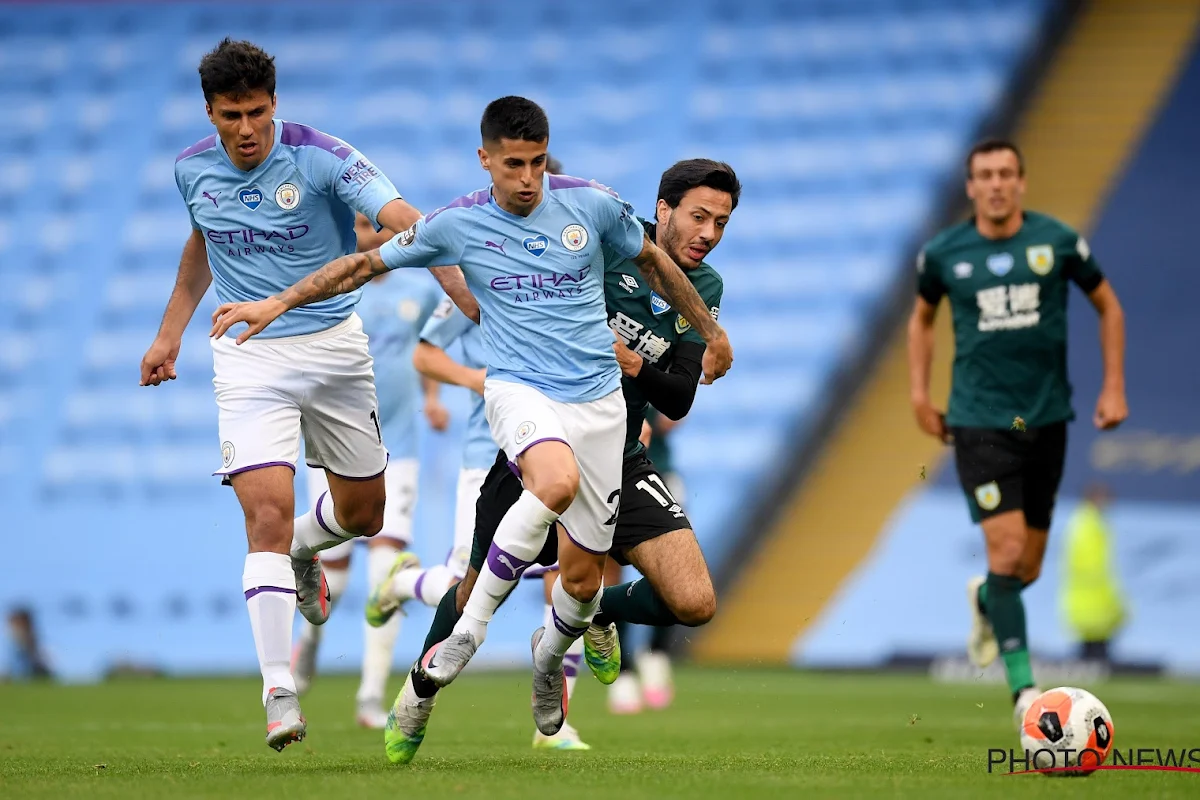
503,559
212,197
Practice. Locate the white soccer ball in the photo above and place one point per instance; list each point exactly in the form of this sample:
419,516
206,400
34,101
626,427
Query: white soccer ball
1067,728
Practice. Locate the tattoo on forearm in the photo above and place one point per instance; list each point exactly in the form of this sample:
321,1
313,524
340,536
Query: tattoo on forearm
339,276
666,278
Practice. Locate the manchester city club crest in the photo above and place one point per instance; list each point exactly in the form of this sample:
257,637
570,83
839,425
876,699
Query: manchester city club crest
1041,259
227,453
574,237
287,196
524,431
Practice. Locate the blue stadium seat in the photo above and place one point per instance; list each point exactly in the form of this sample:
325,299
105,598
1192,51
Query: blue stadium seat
844,119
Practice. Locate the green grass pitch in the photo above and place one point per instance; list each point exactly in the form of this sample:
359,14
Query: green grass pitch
731,733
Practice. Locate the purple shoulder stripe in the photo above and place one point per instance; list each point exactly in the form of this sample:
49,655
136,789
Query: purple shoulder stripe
480,198
567,182
296,135
207,143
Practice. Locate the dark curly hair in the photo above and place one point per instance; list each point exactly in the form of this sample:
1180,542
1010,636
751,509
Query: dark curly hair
236,69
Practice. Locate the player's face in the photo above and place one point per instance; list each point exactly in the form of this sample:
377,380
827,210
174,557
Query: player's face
692,229
996,185
516,167
244,126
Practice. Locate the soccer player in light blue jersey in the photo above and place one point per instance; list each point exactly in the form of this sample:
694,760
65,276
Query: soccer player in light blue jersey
269,201
450,325
394,308
530,246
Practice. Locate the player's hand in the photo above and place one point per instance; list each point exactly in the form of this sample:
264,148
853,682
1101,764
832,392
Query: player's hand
437,415
631,363
1111,409
477,383
258,315
158,364
930,420
718,358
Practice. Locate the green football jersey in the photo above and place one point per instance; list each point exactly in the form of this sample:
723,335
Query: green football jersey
1008,298
649,326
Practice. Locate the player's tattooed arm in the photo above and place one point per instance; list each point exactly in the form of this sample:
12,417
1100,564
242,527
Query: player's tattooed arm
666,278
339,276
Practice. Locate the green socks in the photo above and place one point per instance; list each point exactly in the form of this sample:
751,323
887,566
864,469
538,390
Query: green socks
1006,612
634,602
441,628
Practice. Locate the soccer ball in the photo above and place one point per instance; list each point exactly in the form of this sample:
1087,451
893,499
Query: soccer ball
1067,727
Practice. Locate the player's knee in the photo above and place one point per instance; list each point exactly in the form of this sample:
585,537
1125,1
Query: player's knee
1005,546
582,585
557,491
268,526
697,608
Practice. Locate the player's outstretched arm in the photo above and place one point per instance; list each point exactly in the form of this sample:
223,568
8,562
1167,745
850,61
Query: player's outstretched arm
191,283
1111,408
920,361
666,278
339,276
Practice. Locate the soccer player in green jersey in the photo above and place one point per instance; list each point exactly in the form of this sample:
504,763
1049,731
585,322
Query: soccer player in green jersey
1005,274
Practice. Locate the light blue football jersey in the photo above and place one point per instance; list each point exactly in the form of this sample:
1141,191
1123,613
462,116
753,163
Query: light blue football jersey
447,326
269,227
539,280
394,309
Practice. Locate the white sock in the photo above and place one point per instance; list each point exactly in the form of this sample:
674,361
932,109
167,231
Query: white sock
570,619
379,643
427,585
336,580
519,538
574,656
270,588
317,530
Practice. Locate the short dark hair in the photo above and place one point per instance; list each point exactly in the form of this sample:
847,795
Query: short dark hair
514,118
236,69
686,175
553,165
993,145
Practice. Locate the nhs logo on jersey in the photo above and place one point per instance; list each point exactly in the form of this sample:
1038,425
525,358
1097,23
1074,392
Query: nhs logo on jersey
658,305
1000,264
251,198
536,245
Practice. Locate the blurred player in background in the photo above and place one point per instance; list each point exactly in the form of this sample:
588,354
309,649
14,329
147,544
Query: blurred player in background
393,309
645,678
1005,273
26,658
270,201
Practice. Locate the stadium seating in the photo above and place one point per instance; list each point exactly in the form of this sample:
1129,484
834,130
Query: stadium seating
843,119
